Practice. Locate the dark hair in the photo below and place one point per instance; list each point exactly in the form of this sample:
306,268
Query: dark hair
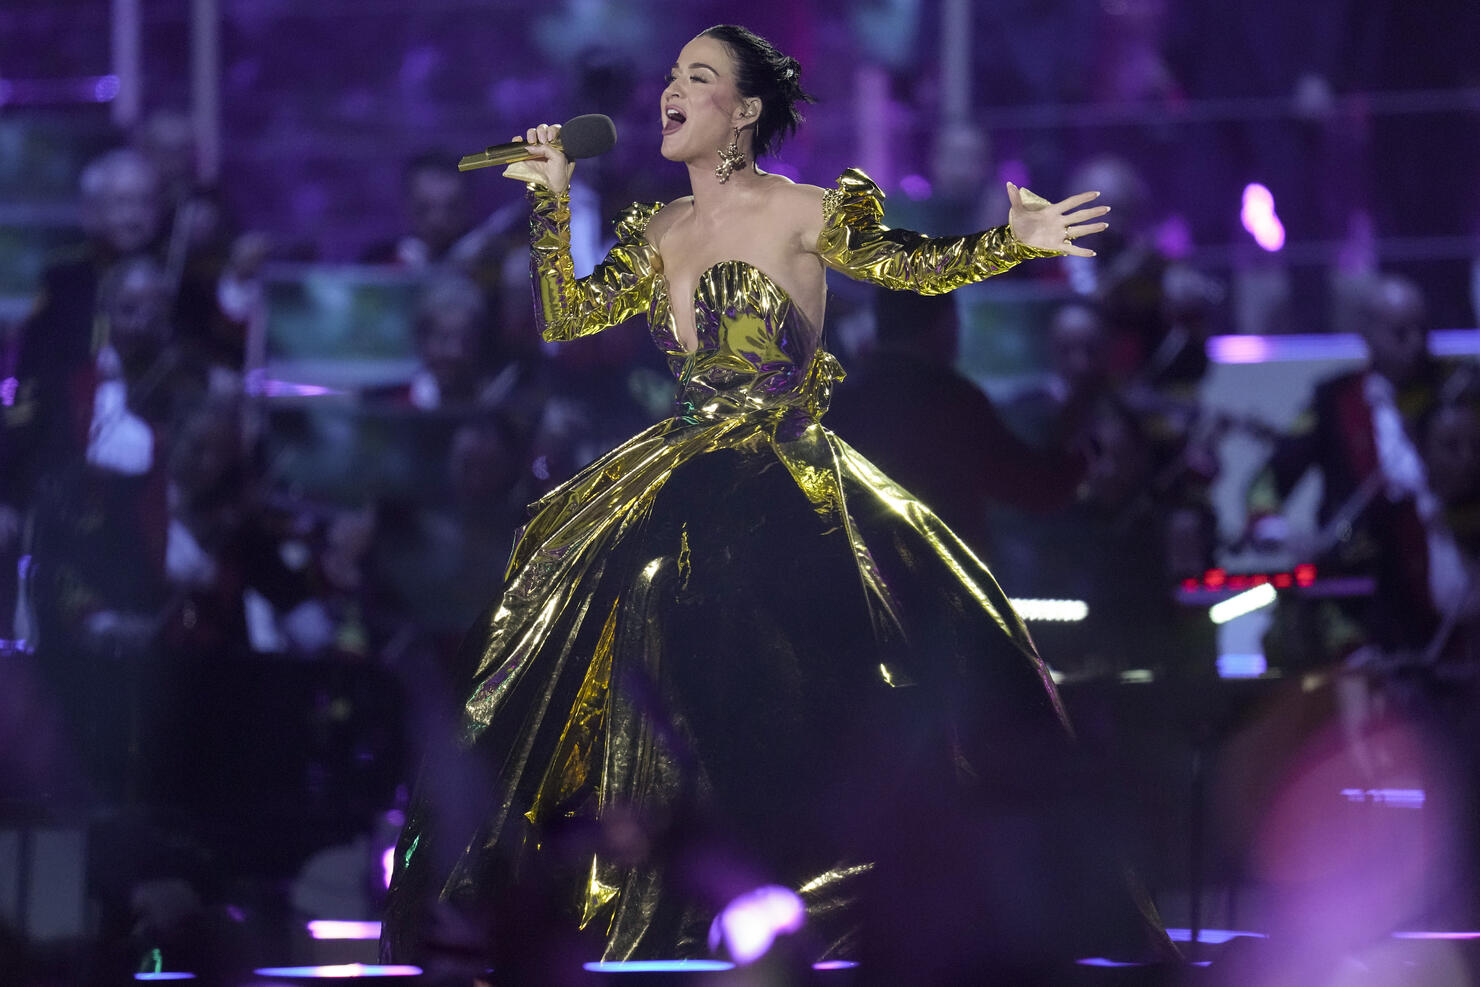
763,73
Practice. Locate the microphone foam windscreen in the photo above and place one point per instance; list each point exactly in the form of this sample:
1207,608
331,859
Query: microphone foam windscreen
588,135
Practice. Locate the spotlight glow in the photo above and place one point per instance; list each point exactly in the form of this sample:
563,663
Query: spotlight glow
340,972
749,924
164,975
1103,961
1248,666
1436,935
1260,219
106,89
917,187
1392,798
835,965
337,929
388,864
1061,611
657,966
1245,603
1213,936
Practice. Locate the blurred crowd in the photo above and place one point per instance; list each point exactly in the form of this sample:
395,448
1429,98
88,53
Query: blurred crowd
145,515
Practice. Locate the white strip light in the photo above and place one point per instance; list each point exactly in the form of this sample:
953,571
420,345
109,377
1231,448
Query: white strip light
1392,798
336,929
1063,611
1246,602
1242,666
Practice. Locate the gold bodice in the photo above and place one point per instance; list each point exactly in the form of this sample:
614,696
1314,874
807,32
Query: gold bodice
755,349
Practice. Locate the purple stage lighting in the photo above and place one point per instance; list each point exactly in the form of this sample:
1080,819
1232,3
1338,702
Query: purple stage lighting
336,929
750,923
342,971
657,966
1259,217
1213,936
917,187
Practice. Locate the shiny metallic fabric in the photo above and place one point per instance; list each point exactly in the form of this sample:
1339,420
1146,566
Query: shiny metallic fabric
728,624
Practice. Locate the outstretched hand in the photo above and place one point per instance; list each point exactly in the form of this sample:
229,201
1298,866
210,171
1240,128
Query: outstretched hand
1053,225
550,168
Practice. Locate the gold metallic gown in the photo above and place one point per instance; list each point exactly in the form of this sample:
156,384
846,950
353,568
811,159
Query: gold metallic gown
731,625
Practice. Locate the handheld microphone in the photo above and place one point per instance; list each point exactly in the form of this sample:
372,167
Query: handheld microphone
584,136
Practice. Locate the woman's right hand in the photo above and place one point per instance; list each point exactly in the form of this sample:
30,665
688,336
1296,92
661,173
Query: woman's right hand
550,168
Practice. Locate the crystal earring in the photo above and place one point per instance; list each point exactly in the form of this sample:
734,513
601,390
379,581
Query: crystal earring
730,158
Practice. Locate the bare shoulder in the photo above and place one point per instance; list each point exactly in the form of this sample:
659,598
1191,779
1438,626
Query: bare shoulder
796,195
802,207
667,216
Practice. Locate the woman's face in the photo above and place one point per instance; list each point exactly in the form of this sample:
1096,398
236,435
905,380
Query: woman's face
700,106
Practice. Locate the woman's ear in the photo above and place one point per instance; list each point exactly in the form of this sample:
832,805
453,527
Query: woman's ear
748,112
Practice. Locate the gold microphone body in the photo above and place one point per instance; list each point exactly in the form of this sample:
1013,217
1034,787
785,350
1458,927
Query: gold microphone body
584,136
500,155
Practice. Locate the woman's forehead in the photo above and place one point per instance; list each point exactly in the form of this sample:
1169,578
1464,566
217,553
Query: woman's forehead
706,51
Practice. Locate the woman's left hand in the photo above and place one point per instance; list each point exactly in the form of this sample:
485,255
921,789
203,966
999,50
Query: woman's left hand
1053,225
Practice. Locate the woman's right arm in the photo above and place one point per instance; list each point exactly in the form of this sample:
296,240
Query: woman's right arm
568,307
621,286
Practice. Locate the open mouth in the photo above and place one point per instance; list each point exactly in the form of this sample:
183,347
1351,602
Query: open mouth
673,118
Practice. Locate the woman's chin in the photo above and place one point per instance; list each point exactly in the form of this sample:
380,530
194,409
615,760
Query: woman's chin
674,150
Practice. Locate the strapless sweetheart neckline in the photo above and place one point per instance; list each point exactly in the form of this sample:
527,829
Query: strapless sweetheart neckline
664,301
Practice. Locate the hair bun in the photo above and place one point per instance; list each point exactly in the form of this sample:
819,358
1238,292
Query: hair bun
763,71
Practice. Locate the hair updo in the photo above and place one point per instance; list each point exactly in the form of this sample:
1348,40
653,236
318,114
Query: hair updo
762,72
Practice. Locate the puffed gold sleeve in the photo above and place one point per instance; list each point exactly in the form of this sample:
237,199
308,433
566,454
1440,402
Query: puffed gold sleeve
567,307
855,241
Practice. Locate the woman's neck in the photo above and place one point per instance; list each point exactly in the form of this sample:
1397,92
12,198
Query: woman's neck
711,195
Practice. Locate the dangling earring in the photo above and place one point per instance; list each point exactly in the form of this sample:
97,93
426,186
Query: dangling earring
730,158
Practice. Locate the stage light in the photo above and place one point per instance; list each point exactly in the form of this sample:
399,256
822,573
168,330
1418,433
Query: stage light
164,975
388,864
337,929
106,89
1239,349
1299,347
1260,219
1063,611
749,924
1106,962
835,965
1249,666
9,387
1436,935
1245,603
657,966
916,187
1212,936
1392,798
341,971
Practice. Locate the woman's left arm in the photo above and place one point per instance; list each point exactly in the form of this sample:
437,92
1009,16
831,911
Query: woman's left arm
852,238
